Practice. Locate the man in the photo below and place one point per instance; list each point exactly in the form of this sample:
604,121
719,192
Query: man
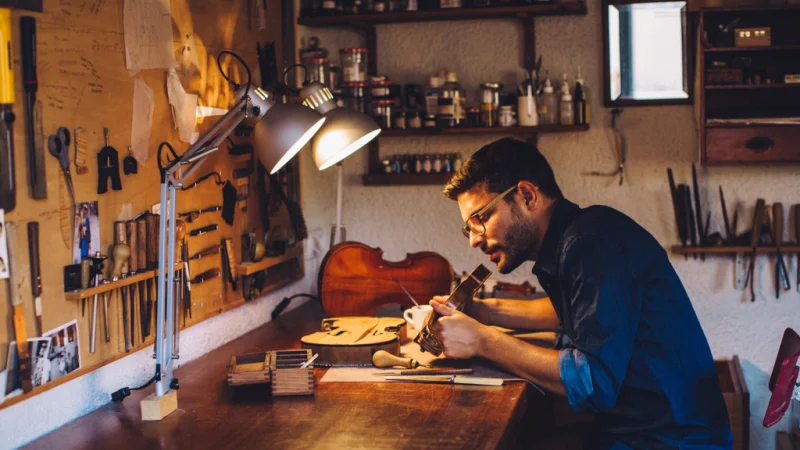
634,351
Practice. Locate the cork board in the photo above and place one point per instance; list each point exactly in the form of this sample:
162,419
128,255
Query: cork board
83,82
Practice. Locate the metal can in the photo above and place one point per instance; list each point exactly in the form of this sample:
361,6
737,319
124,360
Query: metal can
382,112
354,64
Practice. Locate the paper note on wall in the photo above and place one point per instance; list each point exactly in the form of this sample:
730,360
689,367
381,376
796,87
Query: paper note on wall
148,35
143,105
182,105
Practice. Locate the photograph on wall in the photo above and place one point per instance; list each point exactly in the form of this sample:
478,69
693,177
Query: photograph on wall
3,247
64,350
39,351
86,240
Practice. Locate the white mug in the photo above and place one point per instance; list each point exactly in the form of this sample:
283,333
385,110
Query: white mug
416,315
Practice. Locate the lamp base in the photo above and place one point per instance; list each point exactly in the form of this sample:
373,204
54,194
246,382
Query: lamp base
156,408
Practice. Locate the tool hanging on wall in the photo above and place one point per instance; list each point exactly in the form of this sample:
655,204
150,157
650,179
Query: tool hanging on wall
15,282
203,230
758,220
781,272
121,253
58,145
229,263
129,164
133,269
205,276
185,287
702,231
141,250
36,274
152,262
108,167
33,124
8,182
212,250
191,216
620,151
797,240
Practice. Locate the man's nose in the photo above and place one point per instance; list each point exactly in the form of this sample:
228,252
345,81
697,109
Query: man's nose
475,240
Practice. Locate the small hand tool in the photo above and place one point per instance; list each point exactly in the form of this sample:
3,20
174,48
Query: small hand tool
81,146
688,214
133,269
406,291
191,216
730,234
383,359
121,254
203,230
129,164
108,167
205,276
58,145
8,183
152,263
141,249
229,263
758,219
449,379
214,249
36,165
36,273
781,273
93,336
701,237
186,286
86,279
797,239
436,371
15,281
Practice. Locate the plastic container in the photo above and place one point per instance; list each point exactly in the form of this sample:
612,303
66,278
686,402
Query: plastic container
354,64
526,107
490,103
567,112
432,93
548,105
381,111
506,116
452,89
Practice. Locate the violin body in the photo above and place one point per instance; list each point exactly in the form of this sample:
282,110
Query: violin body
351,341
355,280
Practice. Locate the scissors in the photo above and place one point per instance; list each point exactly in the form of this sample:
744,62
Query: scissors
58,145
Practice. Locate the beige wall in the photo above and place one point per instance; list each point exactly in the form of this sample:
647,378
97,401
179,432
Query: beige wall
410,218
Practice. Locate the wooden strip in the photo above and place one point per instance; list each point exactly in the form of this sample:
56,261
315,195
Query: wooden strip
249,268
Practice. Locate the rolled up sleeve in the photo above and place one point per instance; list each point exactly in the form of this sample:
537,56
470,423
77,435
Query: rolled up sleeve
604,310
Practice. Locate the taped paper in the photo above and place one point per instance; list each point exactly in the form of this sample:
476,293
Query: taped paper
148,35
143,105
182,105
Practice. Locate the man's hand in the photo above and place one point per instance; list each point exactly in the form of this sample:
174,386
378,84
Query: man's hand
461,335
475,308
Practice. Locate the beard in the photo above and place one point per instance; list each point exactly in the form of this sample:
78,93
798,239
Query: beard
520,241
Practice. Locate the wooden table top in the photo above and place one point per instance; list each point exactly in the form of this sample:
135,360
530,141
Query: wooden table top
339,416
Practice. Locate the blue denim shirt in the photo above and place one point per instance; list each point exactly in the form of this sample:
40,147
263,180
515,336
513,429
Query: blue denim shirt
635,352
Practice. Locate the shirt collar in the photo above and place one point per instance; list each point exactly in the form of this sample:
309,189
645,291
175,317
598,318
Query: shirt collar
563,214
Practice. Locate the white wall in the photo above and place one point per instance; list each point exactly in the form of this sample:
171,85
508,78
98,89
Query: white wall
43,413
415,218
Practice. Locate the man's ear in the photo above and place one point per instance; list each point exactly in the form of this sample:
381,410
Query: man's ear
530,195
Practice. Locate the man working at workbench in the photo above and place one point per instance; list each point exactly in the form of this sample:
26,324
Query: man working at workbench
632,347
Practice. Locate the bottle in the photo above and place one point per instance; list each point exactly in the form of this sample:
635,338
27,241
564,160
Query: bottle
457,162
548,105
432,95
567,114
579,104
586,95
452,89
526,105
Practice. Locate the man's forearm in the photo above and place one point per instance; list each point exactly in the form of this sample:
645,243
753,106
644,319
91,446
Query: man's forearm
537,364
536,315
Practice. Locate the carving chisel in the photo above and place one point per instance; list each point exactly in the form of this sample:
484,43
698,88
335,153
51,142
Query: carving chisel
729,235
758,219
191,216
15,281
214,249
203,230
205,276
141,249
121,253
152,263
436,371
36,165
797,238
133,269
781,273
185,287
8,182
93,337
36,273
448,379
701,237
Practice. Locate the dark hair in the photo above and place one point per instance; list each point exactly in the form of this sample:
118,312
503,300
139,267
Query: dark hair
503,164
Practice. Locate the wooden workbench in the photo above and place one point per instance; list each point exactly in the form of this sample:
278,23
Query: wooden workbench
339,416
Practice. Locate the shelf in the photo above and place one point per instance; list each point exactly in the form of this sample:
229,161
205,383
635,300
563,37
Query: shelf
753,86
785,249
754,123
249,268
490,12
400,179
110,286
486,130
771,48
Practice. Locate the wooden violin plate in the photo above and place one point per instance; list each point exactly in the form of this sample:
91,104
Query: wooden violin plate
351,341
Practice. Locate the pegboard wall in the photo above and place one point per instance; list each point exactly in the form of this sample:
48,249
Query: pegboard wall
84,83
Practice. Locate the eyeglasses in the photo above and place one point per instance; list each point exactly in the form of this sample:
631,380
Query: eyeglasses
474,224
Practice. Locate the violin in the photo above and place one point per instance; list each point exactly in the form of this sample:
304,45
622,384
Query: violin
355,280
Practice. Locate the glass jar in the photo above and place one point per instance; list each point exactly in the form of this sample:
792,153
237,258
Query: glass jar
447,163
408,5
413,120
334,77
353,96
413,96
444,4
490,103
506,116
473,118
383,90
387,166
417,164
430,121
382,112
427,166
354,64
381,6
399,120
437,163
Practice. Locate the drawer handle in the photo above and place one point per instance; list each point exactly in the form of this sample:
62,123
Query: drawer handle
760,143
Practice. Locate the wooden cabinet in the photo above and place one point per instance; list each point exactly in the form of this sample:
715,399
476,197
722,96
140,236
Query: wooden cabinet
750,97
737,400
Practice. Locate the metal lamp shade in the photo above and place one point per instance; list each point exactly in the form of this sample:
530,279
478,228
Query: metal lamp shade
283,131
345,132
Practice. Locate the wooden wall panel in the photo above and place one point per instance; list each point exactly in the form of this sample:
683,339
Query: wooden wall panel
83,82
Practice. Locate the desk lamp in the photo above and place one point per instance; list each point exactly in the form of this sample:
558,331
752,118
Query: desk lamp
345,131
280,132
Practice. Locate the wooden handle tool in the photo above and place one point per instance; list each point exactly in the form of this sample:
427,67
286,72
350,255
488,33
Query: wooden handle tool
450,379
15,281
383,359
797,238
36,273
436,371
781,272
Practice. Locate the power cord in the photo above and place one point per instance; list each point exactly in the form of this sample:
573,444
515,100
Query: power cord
285,302
227,78
118,396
